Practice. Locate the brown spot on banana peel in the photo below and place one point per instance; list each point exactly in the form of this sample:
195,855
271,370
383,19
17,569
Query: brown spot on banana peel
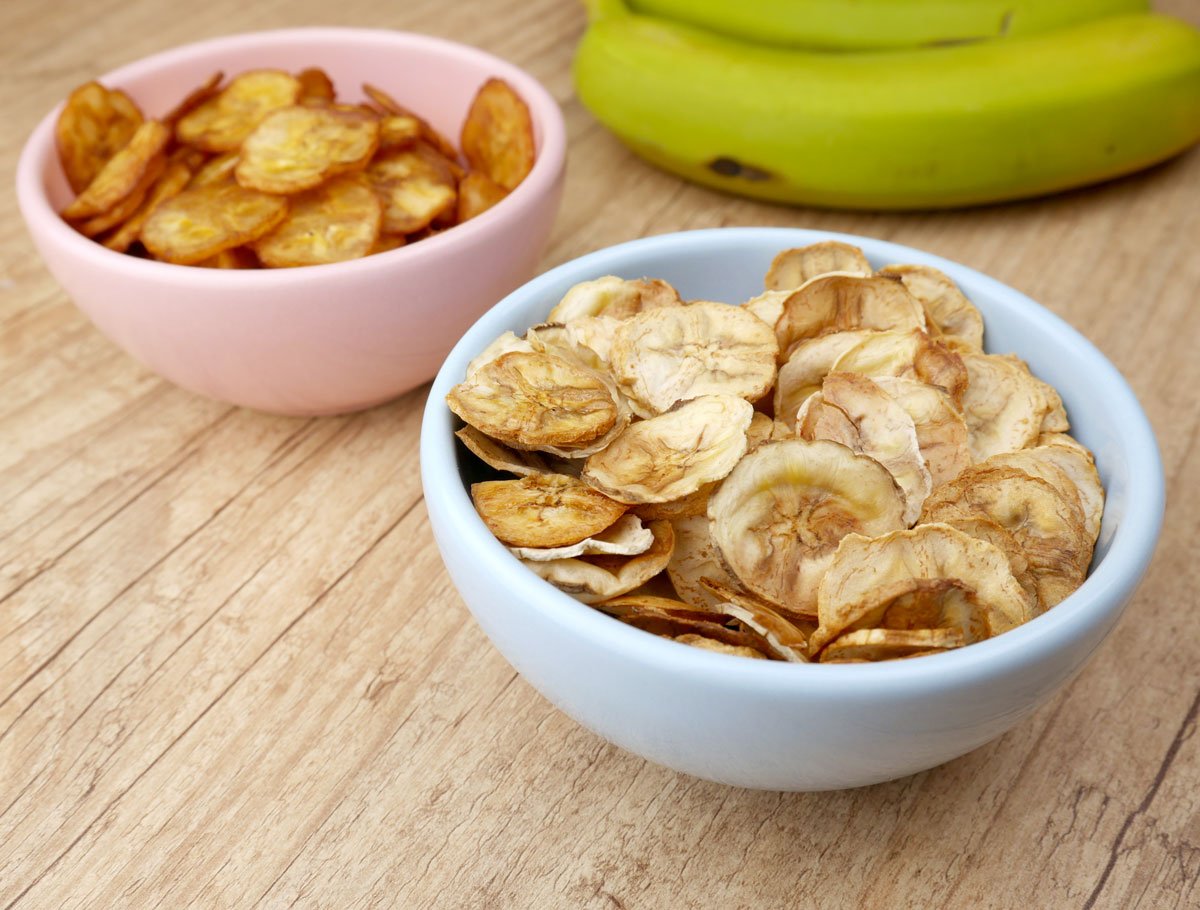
731,167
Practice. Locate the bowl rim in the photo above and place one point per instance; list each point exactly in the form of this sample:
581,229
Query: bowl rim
1102,596
41,217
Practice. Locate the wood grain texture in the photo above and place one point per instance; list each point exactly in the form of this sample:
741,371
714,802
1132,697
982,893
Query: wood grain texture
233,672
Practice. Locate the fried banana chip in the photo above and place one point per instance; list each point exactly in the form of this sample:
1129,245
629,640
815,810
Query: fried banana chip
537,401
843,303
941,430
315,85
95,123
201,222
476,194
393,108
679,622
544,510
592,579
297,148
779,516
237,257
671,354
586,340
879,427
1077,463
215,170
890,644
499,456
497,135
123,210
792,268
1004,405
223,122
950,316
398,131
617,298
338,220
625,537
788,636
674,454
169,185
122,173
805,370
908,355
695,558
508,343
415,185
1049,527
194,99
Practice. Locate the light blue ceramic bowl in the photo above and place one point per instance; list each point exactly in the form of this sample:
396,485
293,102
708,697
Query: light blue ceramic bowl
793,726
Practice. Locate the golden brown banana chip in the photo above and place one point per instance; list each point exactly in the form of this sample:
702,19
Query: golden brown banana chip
788,637
296,148
315,85
805,370
950,316
499,456
1077,462
1004,405
385,243
123,173
201,222
779,516
695,558
625,537
218,169
792,268
890,644
391,107
671,354
223,122
415,186
194,98
1048,526
674,454
398,131
476,194
536,401
616,298
592,579
497,135
679,622
544,510
338,220
95,123
941,430
908,355
123,210
237,257
843,303
169,185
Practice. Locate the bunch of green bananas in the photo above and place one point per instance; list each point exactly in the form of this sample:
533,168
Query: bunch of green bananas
892,104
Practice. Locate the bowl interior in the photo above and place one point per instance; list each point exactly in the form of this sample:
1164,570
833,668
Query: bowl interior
728,265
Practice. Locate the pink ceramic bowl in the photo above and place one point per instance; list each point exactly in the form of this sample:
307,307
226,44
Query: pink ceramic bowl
322,339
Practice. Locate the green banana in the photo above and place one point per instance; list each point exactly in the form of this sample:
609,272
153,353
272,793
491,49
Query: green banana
875,24
930,128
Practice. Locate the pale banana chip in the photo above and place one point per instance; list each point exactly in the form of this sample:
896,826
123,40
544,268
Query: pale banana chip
296,148
618,298
881,428
1079,465
507,343
694,559
987,530
941,430
842,303
792,268
499,456
779,516
688,506
908,355
1004,405
674,454
951,317
1048,526
805,370
865,574
592,579
890,644
788,636
544,510
768,306
1055,420
763,429
625,537
712,644
671,354
536,401
586,340
679,622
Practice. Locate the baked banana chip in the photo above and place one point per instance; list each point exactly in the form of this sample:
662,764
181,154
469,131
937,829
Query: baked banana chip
625,537
586,340
199,223
792,268
1079,465
779,516
694,559
768,306
941,430
805,369
908,355
869,645
869,577
499,456
787,636
950,316
296,148
763,429
537,401
95,123
544,510
592,579
1004,405
617,298
674,454
123,173
507,343
679,622
843,303
223,122
671,354
338,220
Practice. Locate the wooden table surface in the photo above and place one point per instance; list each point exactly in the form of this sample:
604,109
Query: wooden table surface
233,672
